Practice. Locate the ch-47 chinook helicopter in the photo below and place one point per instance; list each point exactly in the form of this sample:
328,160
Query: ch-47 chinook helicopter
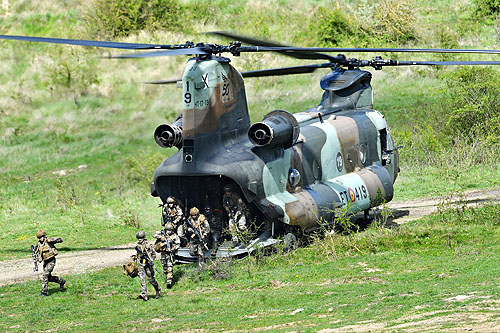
291,170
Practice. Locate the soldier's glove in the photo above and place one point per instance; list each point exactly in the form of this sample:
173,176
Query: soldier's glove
160,205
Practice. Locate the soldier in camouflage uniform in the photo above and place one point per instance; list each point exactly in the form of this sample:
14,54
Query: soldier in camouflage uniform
173,213
47,252
144,251
199,229
167,243
236,210
215,221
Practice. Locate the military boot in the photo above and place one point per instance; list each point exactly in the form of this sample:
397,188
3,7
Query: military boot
43,293
169,284
61,285
158,290
144,297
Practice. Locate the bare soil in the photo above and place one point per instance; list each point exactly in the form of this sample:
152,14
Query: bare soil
15,271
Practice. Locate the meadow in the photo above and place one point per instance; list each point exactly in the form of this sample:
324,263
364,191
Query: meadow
77,155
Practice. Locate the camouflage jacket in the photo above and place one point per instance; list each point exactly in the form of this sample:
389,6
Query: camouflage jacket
201,225
147,248
46,250
233,204
162,241
215,220
173,215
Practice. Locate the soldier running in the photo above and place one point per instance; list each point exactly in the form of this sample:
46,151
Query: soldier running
236,210
199,229
47,252
215,221
173,213
167,243
145,255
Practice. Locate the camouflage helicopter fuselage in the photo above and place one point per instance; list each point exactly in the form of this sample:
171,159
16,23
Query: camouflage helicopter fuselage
292,169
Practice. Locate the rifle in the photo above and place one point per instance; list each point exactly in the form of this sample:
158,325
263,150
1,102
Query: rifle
166,219
35,262
169,245
145,256
231,214
197,233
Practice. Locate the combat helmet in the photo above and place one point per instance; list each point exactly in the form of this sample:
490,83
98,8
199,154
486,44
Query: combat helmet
170,200
207,210
169,226
141,234
228,188
194,211
40,234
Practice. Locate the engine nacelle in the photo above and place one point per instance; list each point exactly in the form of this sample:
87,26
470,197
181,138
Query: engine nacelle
279,128
167,136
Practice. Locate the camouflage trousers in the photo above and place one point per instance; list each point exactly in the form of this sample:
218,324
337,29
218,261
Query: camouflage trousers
146,270
196,250
237,226
48,267
168,265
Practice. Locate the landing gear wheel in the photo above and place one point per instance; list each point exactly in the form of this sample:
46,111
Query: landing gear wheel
290,242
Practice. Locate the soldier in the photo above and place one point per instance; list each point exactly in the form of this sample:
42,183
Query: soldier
167,243
145,255
214,219
173,213
236,210
47,252
199,229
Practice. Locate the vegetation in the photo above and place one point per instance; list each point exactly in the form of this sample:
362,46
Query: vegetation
439,273
77,157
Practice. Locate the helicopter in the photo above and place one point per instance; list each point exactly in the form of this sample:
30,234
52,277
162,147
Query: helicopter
293,171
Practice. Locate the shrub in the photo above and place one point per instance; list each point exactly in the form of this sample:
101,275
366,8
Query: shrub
334,26
472,99
121,17
394,21
487,7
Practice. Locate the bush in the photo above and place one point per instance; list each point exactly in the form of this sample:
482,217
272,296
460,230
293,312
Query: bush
489,8
112,18
394,21
333,26
472,100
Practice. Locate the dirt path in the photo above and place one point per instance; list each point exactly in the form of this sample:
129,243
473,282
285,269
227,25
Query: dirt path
14,271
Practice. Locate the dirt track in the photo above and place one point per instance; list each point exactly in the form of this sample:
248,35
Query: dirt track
14,271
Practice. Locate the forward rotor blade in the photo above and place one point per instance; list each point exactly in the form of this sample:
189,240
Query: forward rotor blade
185,51
170,81
264,72
253,41
114,45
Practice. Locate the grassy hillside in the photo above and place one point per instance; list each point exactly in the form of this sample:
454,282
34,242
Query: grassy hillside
437,274
76,147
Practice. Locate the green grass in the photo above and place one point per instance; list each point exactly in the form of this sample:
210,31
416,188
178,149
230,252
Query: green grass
433,268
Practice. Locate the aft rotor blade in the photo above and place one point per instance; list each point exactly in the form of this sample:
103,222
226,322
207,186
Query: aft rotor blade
447,63
260,42
287,70
114,45
293,50
185,51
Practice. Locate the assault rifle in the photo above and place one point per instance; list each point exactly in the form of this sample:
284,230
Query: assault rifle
145,256
166,219
231,213
197,233
35,262
169,245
